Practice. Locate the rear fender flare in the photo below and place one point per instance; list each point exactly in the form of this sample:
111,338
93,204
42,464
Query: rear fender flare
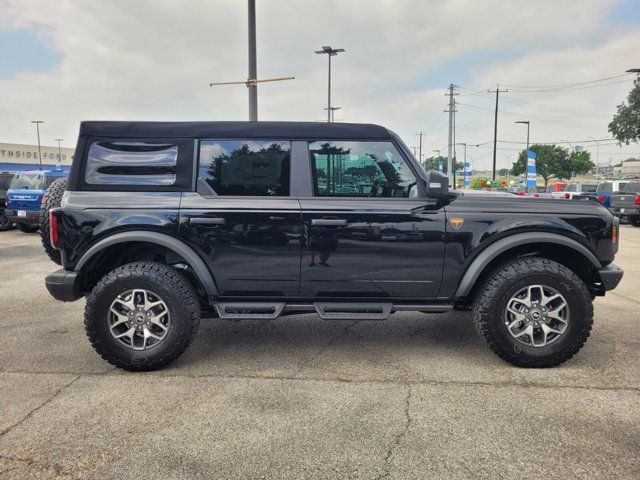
191,257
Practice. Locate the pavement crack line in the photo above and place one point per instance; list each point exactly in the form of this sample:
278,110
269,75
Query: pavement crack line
332,341
45,403
398,438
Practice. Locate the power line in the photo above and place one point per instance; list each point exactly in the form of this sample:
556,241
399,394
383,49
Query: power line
568,84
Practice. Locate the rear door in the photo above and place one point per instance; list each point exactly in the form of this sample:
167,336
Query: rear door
243,218
369,231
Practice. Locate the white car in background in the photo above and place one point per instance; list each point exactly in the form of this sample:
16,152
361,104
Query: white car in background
576,189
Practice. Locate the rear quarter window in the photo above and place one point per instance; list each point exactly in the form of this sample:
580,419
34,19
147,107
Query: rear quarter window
145,164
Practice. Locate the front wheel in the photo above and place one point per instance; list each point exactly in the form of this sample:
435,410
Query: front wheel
5,224
142,316
533,312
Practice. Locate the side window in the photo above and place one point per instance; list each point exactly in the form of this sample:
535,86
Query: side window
360,169
258,168
131,163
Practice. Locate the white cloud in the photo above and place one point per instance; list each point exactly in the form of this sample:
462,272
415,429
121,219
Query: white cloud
153,60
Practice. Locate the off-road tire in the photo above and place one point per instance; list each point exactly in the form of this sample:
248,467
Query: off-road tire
505,281
27,228
5,224
634,220
179,296
51,199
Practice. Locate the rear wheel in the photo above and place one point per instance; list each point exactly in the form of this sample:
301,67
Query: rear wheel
51,199
27,228
634,220
533,312
142,316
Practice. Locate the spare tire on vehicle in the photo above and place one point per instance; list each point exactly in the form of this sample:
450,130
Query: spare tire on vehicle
51,199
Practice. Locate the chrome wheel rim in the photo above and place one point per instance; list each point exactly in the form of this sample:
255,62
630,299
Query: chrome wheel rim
139,319
537,316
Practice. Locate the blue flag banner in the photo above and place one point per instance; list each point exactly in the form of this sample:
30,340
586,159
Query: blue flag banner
440,166
531,168
467,174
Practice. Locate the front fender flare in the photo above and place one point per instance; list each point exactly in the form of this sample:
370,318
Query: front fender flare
192,258
484,258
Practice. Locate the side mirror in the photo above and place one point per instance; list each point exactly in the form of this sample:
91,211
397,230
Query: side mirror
438,185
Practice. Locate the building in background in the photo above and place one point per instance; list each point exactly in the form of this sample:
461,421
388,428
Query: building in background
16,157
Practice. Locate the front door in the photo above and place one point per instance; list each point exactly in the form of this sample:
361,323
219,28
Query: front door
369,233
242,219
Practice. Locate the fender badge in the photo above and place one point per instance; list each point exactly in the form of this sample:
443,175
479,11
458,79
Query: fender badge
456,222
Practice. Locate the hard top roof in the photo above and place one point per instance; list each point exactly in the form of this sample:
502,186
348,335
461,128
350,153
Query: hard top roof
292,130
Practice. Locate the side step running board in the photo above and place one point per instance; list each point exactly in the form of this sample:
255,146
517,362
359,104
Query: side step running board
249,310
353,311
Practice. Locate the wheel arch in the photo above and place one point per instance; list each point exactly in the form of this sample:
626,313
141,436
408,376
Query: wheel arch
562,249
155,240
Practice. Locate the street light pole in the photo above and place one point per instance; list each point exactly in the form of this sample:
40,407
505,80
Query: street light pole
38,122
528,124
253,73
330,52
597,155
59,152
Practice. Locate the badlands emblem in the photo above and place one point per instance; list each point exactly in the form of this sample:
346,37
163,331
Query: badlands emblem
456,222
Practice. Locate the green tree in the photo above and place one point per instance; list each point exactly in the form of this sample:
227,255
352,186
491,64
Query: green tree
431,163
581,162
625,126
552,161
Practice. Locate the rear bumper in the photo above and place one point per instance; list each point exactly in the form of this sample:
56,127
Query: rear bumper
32,217
63,285
610,276
625,210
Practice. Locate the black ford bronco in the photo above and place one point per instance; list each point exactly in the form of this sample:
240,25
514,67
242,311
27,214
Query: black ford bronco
164,222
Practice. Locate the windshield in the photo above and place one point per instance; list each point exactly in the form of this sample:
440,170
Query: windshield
632,187
589,187
28,181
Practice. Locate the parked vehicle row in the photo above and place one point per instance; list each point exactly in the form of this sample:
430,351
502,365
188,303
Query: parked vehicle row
21,197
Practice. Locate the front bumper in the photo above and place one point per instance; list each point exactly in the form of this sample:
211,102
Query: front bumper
625,210
32,217
610,276
63,285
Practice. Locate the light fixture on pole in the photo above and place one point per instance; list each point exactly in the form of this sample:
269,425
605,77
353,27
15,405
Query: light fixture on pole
38,122
330,52
252,82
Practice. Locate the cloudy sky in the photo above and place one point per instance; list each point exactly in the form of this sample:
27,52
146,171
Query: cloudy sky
72,60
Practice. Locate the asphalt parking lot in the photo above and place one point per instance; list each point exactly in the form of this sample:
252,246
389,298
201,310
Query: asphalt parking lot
418,396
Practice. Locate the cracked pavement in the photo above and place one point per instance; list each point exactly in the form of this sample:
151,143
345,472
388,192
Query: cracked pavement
417,396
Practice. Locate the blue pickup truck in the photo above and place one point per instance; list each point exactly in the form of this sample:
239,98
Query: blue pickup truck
24,197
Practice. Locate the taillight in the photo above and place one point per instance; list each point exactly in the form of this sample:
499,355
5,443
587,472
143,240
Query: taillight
567,195
53,228
41,199
601,198
637,199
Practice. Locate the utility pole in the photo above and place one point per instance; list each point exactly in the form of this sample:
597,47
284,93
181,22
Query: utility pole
451,111
420,135
330,52
38,122
252,82
495,128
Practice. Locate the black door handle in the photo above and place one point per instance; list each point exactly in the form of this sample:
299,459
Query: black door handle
329,222
207,220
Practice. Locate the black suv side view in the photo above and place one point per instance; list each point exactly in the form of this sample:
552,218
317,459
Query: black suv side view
162,223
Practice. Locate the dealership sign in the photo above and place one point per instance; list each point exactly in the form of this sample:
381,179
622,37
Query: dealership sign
28,154
531,168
